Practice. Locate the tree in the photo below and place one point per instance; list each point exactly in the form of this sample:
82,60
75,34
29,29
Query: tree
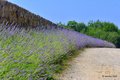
110,27
72,25
104,30
81,27
98,29
61,24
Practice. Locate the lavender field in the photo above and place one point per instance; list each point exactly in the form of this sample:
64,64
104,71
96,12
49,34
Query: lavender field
34,54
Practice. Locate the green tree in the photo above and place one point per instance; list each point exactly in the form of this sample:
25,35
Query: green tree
109,27
61,24
81,27
72,25
98,29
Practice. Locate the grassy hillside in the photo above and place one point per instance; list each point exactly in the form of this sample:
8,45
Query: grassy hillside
35,54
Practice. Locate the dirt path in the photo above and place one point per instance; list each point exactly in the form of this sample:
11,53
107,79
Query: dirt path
94,64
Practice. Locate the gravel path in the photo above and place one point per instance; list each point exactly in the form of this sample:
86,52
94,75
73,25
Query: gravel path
94,64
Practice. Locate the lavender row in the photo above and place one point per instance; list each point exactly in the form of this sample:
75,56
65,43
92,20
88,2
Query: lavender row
33,54
82,40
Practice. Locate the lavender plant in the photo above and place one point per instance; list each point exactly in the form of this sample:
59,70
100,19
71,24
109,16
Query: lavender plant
31,54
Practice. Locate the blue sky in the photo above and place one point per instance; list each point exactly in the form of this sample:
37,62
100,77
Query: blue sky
78,10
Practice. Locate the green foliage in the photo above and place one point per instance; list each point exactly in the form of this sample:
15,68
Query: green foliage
98,29
31,55
105,26
80,27
119,31
104,30
60,24
72,25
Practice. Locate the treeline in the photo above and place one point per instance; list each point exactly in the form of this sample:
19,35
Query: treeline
11,13
98,29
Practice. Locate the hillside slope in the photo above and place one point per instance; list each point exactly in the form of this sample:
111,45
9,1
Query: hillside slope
35,54
94,64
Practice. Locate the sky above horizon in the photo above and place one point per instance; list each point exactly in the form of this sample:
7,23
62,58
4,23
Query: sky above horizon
78,10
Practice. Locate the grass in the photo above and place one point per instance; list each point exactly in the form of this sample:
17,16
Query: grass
39,55
32,55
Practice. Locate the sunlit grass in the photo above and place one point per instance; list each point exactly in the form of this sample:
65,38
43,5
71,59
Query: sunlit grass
35,55
30,55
